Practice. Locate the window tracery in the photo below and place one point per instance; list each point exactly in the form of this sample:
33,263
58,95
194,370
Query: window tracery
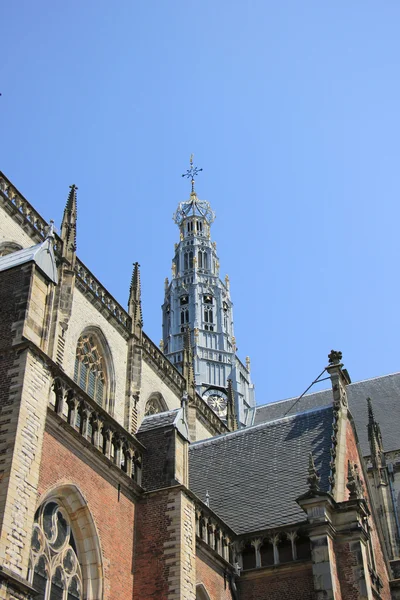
9,248
154,405
55,571
89,370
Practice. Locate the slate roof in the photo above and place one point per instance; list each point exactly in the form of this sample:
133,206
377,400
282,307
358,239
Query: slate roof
254,475
42,254
385,395
158,420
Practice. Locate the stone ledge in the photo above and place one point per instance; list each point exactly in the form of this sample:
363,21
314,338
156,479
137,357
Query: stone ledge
16,582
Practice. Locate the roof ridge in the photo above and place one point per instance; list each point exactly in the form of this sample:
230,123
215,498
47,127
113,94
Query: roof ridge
354,383
253,428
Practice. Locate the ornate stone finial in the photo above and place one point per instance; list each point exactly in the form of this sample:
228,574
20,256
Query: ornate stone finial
335,357
68,224
313,478
234,343
214,245
162,345
181,236
166,283
191,173
50,230
227,283
196,332
135,301
207,498
375,439
173,269
231,419
354,483
248,363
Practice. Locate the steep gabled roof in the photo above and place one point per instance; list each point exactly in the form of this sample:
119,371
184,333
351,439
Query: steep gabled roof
42,254
385,395
253,476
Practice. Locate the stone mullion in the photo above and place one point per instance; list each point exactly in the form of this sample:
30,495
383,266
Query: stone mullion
73,403
292,535
256,543
60,393
129,460
97,425
86,413
205,530
138,468
108,434
118,450
218,541
275,541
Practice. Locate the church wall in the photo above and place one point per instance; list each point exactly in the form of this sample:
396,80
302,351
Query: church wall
202,432
11,231
24,389
346,556
165,547
114,519
212,577
151,383
84,314
283,583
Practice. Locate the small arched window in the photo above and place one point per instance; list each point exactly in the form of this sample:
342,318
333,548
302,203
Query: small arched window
55,571
9,248
155,405
90,369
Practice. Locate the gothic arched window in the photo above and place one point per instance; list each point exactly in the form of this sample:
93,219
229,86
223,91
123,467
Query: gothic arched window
55,571
9,248
90,368
155,405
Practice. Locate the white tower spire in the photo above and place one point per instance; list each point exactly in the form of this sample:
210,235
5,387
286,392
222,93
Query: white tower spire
196,297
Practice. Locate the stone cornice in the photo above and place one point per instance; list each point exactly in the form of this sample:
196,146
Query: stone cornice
213,557
167,371
293,566
17,583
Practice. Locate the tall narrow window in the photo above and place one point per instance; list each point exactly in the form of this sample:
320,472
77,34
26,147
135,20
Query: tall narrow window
89,370
54,565
208,318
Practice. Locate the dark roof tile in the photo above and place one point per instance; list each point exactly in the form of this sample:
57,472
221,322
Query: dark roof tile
254,475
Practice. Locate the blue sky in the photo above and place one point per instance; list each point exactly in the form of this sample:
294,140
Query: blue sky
292,110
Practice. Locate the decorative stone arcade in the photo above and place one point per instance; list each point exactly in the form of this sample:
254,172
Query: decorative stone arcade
197,299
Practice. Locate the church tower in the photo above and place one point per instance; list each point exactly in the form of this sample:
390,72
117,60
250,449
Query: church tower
198,301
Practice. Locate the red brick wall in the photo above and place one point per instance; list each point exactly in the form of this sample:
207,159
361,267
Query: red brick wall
278,584
213,579
114,520
346,561
151,571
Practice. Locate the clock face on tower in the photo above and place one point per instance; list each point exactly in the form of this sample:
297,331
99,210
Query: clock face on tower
217,400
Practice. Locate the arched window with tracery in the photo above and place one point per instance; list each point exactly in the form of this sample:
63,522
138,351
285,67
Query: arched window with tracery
155,404
55,571
9,248
90,368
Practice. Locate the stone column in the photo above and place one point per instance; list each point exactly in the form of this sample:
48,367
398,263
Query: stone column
256,543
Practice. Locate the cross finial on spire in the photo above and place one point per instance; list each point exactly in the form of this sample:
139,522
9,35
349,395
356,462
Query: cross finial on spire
192,172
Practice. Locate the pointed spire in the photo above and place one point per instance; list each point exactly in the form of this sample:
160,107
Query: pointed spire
68,224
135,302
375,438
188,371
231,419
313,478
